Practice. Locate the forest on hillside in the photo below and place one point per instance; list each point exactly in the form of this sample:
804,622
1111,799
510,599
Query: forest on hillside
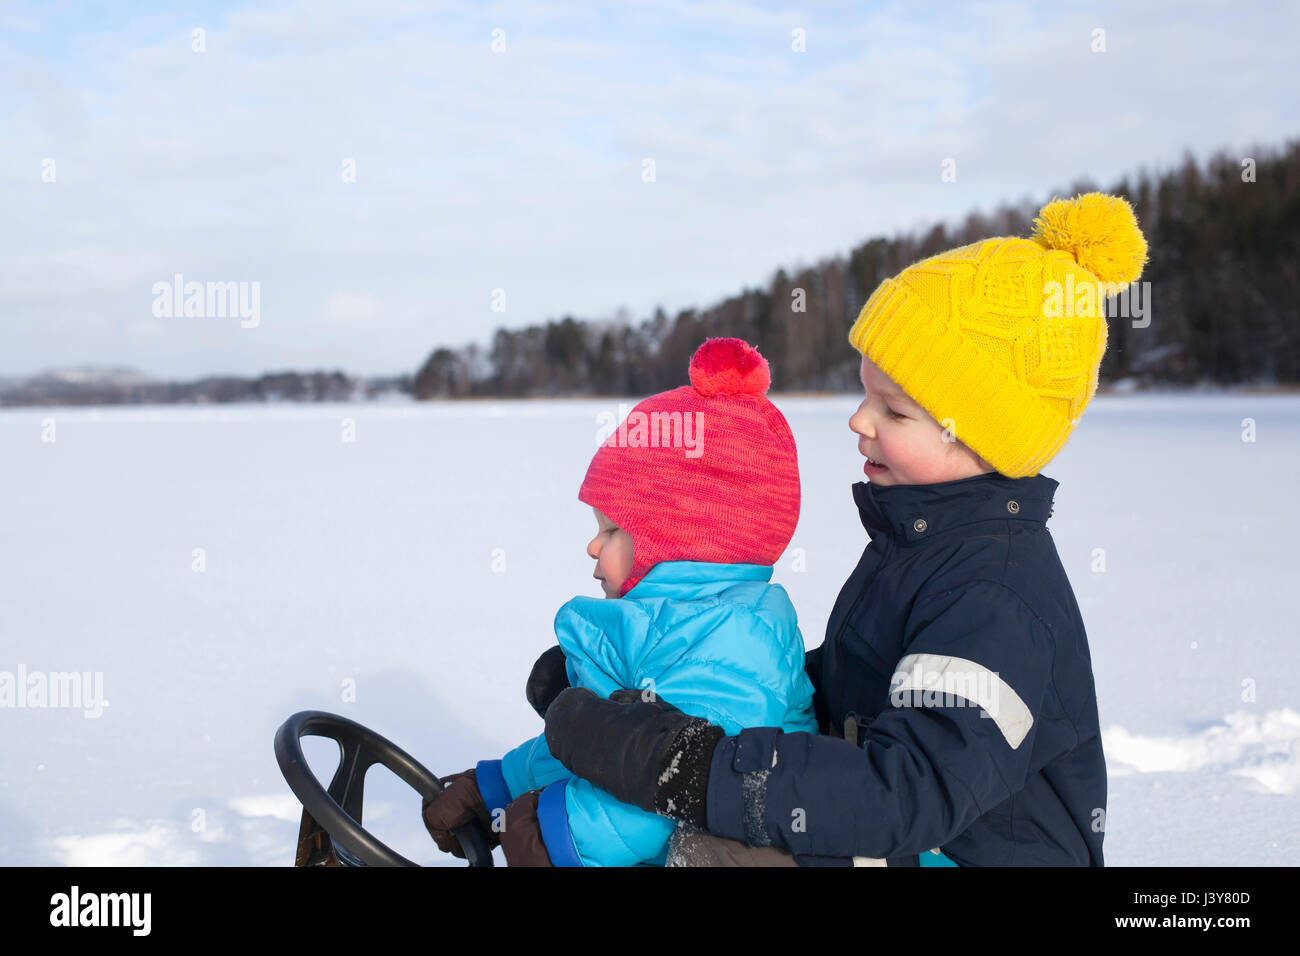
1224,307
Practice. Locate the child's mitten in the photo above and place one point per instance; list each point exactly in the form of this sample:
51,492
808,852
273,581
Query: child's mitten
644,752
521,838
459,804
550,676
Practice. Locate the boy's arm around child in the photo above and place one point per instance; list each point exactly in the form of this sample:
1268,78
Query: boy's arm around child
928,766
734,664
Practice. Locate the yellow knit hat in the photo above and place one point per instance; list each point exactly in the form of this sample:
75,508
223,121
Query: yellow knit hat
1001,340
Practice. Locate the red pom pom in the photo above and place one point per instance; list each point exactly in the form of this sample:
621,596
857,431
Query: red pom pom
729,367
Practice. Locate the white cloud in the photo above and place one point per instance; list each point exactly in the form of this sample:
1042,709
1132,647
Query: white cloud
348,308
279,806
521,170
154,845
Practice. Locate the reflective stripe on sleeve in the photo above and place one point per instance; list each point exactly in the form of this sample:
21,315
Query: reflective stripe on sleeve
935,679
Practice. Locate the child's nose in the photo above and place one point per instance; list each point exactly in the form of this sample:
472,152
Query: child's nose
593,548
860,423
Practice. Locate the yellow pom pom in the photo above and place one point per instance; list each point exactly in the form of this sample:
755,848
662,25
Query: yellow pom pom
1099,231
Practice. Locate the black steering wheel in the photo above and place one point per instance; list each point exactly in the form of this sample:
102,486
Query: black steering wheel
338,809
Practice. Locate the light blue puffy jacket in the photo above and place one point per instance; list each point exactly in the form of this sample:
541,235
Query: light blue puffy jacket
716,640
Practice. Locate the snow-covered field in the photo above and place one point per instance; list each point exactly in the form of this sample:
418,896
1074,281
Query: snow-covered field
222,568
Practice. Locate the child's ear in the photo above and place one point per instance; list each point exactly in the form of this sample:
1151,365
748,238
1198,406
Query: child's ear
979,459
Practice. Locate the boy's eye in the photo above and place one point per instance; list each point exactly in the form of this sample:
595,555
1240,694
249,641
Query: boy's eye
895,414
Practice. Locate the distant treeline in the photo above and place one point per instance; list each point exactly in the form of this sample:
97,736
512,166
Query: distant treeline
55,389
1224,308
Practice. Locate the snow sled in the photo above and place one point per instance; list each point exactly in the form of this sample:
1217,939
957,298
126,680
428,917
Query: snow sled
331,833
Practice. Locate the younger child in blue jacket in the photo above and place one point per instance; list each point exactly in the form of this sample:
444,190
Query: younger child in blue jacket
954,689
696,496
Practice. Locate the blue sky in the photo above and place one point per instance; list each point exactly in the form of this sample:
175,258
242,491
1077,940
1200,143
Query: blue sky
521,170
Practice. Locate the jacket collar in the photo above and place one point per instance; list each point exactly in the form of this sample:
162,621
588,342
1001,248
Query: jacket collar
691,580
915,512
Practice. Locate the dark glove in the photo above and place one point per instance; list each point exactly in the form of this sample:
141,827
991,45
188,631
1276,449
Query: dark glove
549,677
646,753
458,805
521,838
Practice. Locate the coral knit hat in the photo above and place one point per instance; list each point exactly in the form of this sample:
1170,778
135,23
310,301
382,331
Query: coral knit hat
705,472
1002,340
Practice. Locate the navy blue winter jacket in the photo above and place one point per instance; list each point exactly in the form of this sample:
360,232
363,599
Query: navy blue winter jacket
957,650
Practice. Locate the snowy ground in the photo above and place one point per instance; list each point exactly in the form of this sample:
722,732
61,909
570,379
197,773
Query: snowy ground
408,579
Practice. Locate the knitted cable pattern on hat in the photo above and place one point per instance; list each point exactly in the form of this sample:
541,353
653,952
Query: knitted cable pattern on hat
1001,340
